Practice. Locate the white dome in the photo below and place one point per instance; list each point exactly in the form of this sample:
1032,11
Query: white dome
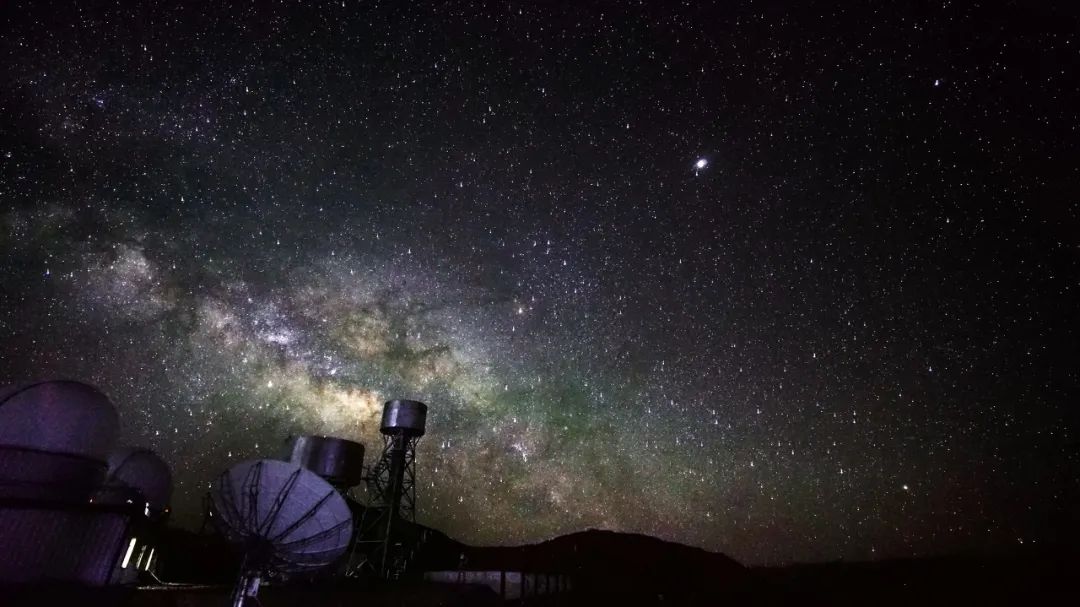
58,416
143,470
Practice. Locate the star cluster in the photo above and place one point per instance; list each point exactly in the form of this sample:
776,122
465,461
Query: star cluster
791,284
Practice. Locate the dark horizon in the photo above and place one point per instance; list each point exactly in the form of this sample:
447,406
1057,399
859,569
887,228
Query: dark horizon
789,283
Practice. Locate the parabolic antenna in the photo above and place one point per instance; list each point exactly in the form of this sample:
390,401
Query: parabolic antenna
282,516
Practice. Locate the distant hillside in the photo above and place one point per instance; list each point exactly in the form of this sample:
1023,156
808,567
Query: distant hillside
597,550
635,567
604,565
610,568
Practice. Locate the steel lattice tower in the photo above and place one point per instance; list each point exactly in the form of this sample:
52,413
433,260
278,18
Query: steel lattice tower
391,485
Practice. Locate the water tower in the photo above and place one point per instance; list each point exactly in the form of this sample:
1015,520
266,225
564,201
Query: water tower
391,484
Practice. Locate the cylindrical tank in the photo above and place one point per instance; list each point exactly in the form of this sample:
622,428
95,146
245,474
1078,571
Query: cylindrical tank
339,461
406,416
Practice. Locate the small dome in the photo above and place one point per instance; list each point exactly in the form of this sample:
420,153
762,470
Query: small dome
58,416
143,470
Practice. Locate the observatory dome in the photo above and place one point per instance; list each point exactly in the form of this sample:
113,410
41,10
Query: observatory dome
58,416
54,438
143,470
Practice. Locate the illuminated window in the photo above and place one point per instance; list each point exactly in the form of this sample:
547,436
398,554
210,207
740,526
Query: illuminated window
127,557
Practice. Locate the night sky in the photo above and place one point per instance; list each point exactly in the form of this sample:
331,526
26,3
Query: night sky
788,283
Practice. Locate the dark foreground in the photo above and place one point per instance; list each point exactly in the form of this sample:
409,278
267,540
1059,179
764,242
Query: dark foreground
624,569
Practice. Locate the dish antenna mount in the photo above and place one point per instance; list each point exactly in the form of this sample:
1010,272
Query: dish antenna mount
282,517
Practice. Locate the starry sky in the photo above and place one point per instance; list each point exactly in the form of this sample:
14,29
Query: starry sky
791,283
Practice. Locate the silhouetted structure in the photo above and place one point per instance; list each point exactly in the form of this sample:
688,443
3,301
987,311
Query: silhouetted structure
282,517
339,461
61,520
391,483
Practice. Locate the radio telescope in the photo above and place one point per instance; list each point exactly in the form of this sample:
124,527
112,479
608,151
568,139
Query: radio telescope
282,517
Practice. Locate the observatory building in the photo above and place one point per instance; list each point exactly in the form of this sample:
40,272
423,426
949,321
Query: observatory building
71,508
76,512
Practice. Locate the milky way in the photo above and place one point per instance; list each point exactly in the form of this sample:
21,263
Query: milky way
774,283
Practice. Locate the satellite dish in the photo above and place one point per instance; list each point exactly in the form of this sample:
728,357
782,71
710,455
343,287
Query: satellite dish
282,516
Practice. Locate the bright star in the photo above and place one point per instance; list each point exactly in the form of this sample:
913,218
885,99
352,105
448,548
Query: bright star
701,163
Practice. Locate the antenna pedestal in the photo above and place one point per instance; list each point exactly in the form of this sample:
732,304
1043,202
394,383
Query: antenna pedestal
283,517
246,588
